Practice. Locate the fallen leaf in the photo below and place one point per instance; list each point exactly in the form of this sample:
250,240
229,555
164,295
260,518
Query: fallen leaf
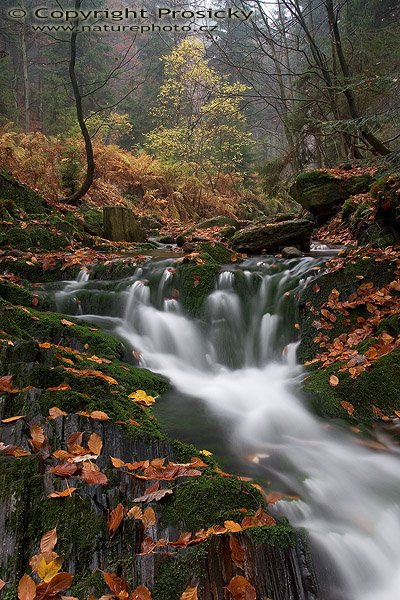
141,593
95,414
67,323
154,496
59,583
149,518
147,545
190,594
135,513
348,407
48,541
241,589
238,555
115,519
63,494
140,397
47,571
13,419
117,462
115,583
333,380
232,526
56,412
37,436
2,584
26,588
95,444
63,387
91,474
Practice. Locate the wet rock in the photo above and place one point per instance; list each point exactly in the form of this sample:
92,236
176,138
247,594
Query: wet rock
291,252
271,237
121,225
188,247
167,239
322,194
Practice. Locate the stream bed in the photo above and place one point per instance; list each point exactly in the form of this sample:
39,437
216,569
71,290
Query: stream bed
236,392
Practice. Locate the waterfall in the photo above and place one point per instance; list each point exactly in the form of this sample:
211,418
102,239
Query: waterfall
240,361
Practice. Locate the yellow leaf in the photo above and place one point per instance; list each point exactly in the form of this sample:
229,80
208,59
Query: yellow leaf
206,453
47,571
232,526
141,397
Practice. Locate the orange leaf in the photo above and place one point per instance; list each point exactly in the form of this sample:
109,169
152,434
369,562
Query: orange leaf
95,444
48,541
333,380
154,496
232,526
63,387
26,588
141,593
117,462
115,519
149,518
91,474
95,414
12,419
147,546
63,494
238,555
56,412
59,583
135,513
67,323
115,583
190,594
37,436
348,407
241,589
2,584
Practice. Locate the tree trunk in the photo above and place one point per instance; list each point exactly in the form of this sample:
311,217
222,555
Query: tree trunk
90,165
121,225
27,100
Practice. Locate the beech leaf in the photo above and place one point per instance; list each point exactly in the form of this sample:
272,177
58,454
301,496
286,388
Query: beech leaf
48,541
190,594
141,593
26,588
115,519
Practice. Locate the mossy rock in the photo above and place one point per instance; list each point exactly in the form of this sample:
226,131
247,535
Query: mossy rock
93,222
215,252
346,281
217,222
34,237
322,194
195,283
378,386
206,501
23,196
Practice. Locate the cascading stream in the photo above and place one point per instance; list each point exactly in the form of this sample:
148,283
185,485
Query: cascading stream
240,360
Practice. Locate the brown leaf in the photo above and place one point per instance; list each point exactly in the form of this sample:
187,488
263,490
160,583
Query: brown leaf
135,513
63,387
241,589
183,540
238,555
190,594
65,469
117,462
74,440
147,546
149,518
348,407
115,583
13,419
154,496
67,323
37,436
91,474
141,593
95,414
333,380
26,588
95,444
115,519
59,583
55,412
63,494
90,373
48,541
2,584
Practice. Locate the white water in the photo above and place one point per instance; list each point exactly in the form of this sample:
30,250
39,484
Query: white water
241,363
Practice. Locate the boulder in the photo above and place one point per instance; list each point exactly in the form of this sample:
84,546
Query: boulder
121,225
322,194
291,252
272,237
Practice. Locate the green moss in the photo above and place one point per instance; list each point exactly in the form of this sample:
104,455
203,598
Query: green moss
34,237
281,535
206,501
377,386
15,294
47,327
195,283
93,584
217,252
25,198
33,272
174,574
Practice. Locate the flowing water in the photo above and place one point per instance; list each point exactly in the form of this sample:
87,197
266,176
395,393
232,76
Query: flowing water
239,361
